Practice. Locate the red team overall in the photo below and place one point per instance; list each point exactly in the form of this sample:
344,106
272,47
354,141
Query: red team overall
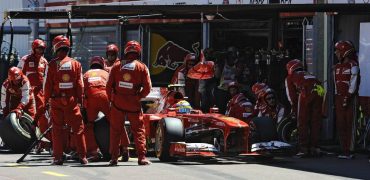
239,106
304,96
16,94
112,57
258,89
63,89
191,85
34,66
96,100
129,81
346,78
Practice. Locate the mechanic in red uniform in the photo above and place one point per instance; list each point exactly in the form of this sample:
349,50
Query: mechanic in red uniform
111,52
346,78
272,109
16,94
128,82
303,91
96,100
34,66
191,85
63,88
239,106
257,89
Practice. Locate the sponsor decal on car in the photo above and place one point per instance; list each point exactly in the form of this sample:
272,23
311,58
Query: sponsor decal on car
181,148
220,124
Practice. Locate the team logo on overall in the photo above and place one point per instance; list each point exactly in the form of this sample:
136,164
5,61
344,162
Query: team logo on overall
126,77
65,77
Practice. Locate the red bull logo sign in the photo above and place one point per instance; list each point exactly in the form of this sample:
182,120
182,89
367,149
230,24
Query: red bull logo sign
170,55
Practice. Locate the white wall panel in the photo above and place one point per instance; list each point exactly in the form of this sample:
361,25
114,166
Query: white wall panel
364,59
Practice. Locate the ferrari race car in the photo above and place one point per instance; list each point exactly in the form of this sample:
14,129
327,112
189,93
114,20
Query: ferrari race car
173,134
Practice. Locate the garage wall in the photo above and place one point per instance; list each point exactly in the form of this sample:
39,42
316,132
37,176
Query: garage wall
348,28
19,40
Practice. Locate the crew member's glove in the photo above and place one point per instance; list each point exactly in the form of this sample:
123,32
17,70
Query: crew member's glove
319,90
18,112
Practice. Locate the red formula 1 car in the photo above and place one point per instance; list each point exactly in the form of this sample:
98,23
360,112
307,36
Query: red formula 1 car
197,134
194,134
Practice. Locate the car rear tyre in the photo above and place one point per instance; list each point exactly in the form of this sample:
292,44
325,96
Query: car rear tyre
101,131
168,130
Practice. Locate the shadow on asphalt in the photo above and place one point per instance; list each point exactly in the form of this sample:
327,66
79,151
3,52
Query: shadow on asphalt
103,165
213,161
24,165
356,168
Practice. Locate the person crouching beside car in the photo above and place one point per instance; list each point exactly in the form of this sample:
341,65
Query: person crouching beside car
239,106
272,109
16,94
96,100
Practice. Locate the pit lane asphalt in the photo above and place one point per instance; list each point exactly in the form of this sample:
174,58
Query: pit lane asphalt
328,167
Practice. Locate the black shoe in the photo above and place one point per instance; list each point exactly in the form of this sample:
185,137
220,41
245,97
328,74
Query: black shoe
84,161
125,156
346,156
39,150
143,161
94,158
315,152
57,162
302,155
113,163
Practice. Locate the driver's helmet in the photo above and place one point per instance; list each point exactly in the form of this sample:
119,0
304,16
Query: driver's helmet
182,107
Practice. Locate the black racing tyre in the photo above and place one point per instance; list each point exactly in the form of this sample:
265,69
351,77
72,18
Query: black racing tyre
168,130
16,133
265,129
287,131
101,131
